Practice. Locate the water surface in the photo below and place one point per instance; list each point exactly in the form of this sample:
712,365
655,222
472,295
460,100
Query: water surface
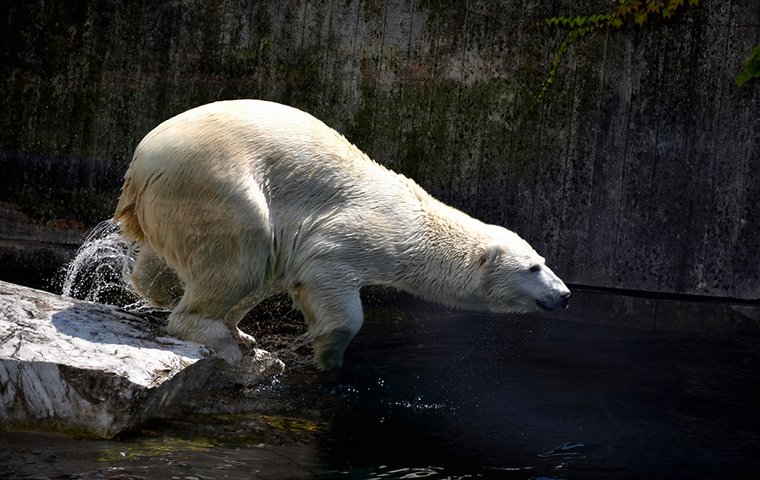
459,395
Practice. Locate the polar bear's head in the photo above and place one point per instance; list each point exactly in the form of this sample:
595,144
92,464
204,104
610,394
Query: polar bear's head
514,278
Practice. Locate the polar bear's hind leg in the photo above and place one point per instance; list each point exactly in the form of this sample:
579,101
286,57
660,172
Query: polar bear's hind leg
154,280
200,317
218,293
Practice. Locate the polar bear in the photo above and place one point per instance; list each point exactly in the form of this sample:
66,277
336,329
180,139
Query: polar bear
235,201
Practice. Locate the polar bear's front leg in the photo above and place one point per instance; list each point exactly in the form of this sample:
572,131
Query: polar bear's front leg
334,316
329,348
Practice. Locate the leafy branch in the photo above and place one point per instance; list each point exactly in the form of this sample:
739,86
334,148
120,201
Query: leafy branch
751,67
628,11
640,10
579,27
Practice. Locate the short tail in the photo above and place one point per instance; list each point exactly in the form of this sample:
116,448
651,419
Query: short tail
126,214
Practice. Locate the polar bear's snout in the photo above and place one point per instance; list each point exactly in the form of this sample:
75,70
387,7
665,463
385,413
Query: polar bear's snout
555,294
560,301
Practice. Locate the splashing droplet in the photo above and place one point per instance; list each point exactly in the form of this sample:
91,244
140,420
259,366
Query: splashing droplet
98,271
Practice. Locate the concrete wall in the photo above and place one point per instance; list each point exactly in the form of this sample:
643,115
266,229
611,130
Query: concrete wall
639,169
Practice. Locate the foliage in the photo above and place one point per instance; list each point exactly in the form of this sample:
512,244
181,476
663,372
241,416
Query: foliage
640,10
579,27
751,67
636,11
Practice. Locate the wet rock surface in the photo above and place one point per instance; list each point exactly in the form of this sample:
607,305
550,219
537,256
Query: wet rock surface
94,370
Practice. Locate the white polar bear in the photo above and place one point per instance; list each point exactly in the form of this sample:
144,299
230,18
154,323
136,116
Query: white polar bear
235,201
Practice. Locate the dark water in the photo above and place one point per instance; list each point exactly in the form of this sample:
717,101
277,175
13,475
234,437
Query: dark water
461,396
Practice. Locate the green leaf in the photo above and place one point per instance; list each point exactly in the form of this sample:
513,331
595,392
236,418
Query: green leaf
751,67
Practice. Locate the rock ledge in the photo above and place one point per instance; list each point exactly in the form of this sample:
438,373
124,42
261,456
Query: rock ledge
94,370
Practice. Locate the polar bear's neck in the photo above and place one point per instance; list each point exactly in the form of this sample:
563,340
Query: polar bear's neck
441,265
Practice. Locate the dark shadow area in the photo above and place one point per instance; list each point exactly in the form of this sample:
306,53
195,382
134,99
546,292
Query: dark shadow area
501,398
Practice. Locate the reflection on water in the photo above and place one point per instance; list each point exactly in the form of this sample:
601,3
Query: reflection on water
459,396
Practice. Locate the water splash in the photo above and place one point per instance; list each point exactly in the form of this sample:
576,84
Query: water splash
98,271
294,351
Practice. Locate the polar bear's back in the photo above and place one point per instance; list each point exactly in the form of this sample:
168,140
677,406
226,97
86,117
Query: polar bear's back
260,172
257,136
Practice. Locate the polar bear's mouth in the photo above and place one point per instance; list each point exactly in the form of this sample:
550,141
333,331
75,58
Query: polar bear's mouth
559,303
543,306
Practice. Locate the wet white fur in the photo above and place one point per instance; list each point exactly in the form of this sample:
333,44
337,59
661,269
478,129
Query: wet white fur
243,199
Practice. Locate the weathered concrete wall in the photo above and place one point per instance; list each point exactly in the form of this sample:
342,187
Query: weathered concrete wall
638,170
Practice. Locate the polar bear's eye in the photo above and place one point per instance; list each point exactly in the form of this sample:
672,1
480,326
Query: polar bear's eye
535,268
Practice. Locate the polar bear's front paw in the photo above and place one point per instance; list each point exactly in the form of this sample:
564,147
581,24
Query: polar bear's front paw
329,349
327,360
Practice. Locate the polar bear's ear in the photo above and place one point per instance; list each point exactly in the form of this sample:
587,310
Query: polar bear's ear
488,255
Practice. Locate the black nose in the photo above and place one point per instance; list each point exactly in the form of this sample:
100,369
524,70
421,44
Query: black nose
566,299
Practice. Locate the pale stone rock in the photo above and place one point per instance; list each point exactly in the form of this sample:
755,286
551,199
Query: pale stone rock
96,370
